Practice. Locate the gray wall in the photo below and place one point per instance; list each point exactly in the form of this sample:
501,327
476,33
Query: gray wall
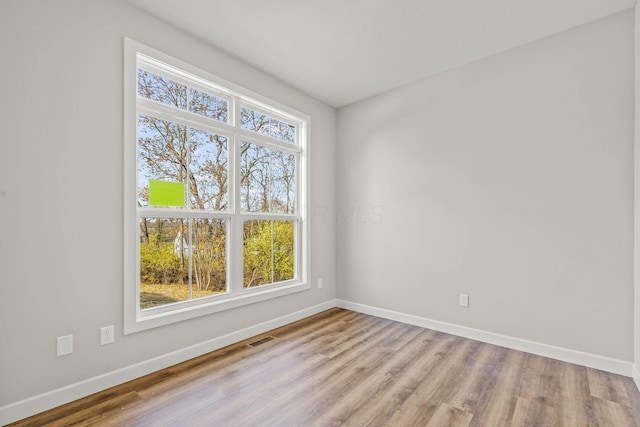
510,179
61,191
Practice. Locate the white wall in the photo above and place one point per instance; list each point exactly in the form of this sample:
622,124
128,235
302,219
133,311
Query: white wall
61,204
510,179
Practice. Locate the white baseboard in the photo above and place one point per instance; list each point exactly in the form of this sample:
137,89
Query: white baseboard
636,376
607,364
34,405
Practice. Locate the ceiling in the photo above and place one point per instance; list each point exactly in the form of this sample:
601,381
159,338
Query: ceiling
342,51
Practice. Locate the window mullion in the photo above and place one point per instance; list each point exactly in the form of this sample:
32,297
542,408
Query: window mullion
267,141
190,258
181,213
267,110
183,117
273,252
187,202
237,247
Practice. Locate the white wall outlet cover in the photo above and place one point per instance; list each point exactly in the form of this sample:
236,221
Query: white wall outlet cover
106,335
64,345
464,300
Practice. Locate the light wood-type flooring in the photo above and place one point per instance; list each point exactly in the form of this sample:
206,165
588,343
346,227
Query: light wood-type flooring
345,368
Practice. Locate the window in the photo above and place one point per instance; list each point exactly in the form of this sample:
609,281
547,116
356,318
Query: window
215,190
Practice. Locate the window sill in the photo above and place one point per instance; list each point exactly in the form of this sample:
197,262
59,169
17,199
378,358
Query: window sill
149,319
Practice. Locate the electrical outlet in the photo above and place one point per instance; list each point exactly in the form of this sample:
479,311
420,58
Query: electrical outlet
319,283
464,300
106,335
64,345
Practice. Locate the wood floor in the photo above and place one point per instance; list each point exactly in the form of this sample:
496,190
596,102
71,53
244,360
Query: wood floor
346,368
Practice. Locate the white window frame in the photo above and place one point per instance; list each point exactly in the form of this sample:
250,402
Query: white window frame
136,319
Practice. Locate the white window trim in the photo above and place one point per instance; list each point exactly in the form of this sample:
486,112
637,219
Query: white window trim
136,320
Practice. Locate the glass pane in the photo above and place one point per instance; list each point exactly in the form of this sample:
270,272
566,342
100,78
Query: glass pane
267,180
266,125
209,242
162,89
181,259
209,167
254,121
162,154
269,255
164,261
254,178
282,167
208,105
283,250
283,131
